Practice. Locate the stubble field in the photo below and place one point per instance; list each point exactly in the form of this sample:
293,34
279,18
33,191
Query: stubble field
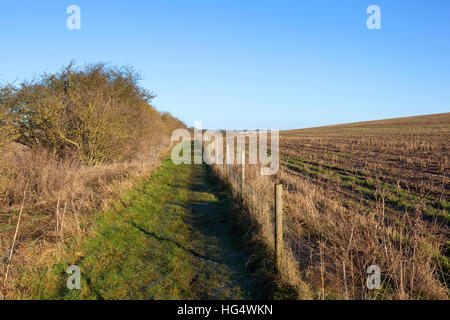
356,195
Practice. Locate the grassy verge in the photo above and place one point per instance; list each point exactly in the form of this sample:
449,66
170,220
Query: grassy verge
169,238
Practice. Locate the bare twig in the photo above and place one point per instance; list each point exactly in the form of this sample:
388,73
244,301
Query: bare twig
57,210
15,236
62,218
343,264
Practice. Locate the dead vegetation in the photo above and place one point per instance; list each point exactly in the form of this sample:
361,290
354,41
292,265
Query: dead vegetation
359,195
73,141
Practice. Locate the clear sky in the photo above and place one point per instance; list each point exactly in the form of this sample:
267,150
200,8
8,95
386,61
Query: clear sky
248,63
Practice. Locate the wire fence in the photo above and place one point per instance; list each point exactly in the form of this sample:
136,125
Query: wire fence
258,197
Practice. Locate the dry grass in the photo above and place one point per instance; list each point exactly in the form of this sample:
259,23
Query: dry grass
351,201
72,142
61,195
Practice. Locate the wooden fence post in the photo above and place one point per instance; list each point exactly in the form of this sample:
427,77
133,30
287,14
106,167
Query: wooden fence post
279,223
242,172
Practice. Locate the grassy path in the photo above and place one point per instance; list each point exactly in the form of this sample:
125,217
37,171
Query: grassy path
171,238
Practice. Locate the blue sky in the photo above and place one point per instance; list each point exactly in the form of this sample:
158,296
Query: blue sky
248,64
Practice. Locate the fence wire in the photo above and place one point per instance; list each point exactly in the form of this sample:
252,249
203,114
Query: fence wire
260,204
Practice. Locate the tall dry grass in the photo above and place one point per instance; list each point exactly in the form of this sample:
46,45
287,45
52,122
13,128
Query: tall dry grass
59,203
70,145
328,247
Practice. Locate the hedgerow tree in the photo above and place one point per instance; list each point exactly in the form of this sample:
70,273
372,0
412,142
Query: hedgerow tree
100,112
8,130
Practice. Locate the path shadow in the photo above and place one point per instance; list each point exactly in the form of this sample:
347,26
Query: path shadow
172,241
217,238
